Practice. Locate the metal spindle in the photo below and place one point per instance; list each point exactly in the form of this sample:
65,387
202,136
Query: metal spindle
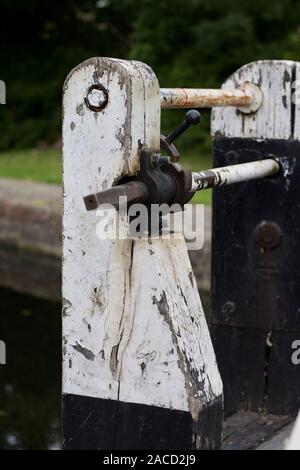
234,174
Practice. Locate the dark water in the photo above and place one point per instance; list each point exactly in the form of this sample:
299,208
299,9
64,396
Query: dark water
30,382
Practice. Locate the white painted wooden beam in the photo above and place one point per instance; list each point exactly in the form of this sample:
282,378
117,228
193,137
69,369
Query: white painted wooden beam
139,370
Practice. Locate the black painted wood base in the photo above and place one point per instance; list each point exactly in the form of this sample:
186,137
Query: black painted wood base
95,423
256,279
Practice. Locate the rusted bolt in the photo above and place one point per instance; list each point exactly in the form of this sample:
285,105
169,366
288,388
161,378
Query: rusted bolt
232,157
257,98
96,97
228,309
268,235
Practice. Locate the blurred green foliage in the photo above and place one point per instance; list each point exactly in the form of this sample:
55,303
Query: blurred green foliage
190,43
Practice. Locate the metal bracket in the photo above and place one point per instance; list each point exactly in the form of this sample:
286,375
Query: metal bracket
159,182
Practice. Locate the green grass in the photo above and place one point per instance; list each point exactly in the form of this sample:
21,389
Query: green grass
197,162
45,166
34,165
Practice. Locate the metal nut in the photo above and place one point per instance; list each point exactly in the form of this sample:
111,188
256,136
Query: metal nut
232,157
268,235
257,98
96,97
228,309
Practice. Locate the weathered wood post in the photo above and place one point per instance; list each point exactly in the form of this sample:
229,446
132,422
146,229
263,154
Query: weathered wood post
139,370
256,245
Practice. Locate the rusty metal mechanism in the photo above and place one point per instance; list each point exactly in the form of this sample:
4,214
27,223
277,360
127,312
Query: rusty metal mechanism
159,182
162,180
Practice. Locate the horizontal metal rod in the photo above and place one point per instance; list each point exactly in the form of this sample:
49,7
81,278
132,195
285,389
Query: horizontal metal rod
234,174
204,98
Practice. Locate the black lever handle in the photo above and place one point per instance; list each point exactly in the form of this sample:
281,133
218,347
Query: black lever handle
192,118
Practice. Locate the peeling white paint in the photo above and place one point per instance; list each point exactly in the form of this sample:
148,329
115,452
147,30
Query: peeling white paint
275,118
134,328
